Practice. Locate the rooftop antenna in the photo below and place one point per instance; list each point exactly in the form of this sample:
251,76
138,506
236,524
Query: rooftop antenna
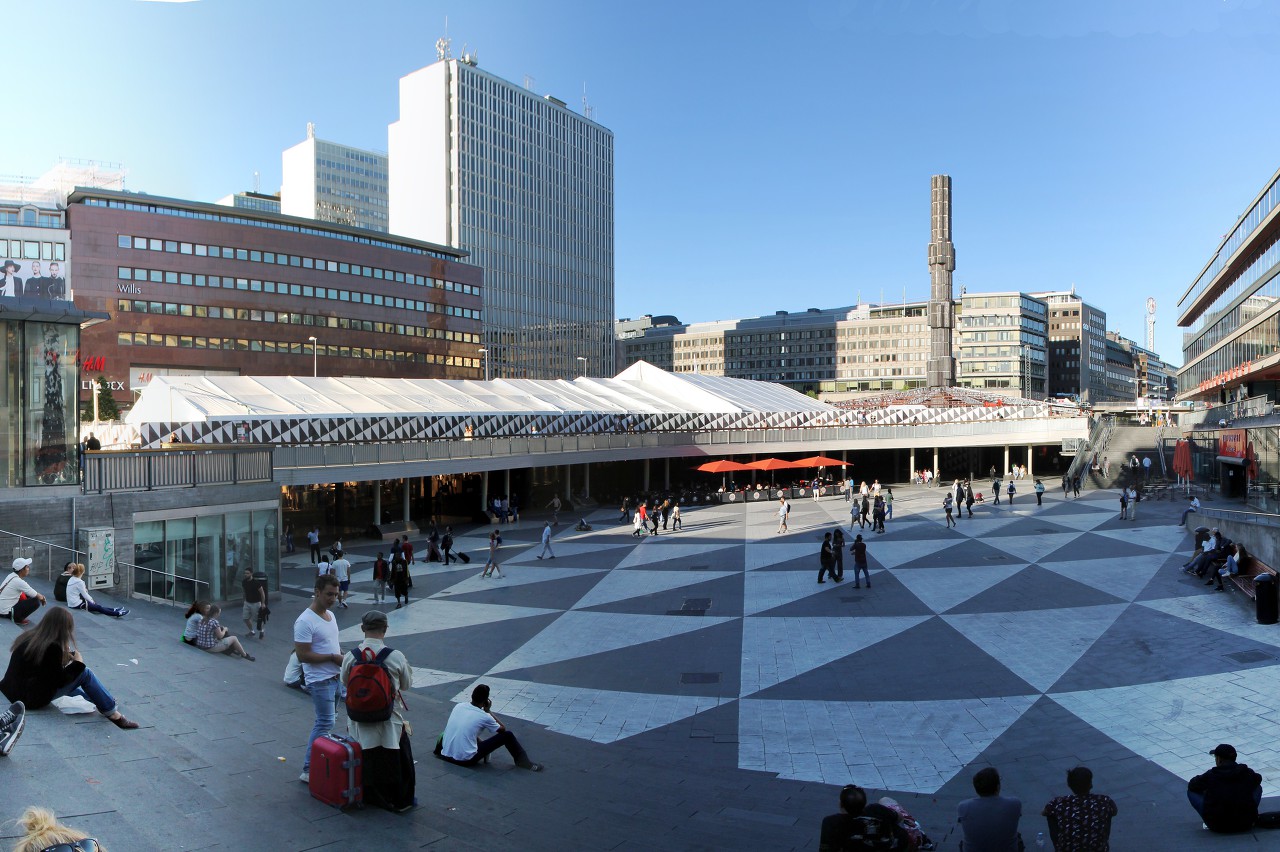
1151,325
311,130
588,111
442,44
257,181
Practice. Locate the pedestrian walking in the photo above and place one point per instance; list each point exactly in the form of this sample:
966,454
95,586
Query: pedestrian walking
888,503
968,497
1012,491
1039,493
1066,486
995,489
1075,486
826,559
946,507
491,566
859,551
1133,503
784,509
837,550
863,518
675,517
546,542
877,516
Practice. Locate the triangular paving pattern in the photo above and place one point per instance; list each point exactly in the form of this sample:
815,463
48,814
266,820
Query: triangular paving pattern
1156,647
1081,521
910,746
891,554
887,596
1034,588
765,554
425,677
765,590
656,550
962,553
561,549
1125,579
965,671
577,634
983,524
1187,712
620,585
943,588
1219,613
1030,548
778,649
602,716
1163,538
1038,646
476,583
431,615
1039,526
560,592
1095,542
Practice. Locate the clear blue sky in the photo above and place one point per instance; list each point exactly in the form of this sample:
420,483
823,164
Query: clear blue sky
768,156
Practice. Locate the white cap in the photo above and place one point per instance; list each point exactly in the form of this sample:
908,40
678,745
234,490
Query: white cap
20,563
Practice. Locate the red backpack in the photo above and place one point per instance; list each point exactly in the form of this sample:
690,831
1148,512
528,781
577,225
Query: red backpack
370,692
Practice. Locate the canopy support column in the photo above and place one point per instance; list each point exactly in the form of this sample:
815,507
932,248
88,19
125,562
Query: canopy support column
377,501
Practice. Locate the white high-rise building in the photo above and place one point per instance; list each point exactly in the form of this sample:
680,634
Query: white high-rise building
335,183
526,186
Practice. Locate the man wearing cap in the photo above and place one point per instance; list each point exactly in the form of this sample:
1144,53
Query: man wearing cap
1227,796
389,777
13,604
459,744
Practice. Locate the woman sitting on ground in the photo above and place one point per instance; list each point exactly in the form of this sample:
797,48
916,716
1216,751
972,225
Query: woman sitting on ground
46,664
194,616
1230,569
78,595
214,638
41,832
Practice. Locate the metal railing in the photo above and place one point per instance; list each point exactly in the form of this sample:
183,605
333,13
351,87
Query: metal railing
28,551
148,470
173,579
1099,436
1254,406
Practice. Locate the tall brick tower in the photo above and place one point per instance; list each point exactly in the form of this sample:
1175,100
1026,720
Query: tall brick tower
942,262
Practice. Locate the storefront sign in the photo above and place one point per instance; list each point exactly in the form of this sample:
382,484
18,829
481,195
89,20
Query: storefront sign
1232,443
1225,376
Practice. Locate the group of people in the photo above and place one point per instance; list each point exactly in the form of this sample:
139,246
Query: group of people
1129,499
389,774
831,558
650,515
1216,557
872,507
505,509
1226,798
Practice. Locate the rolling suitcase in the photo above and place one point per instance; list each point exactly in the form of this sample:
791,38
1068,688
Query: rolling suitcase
337,773
465,558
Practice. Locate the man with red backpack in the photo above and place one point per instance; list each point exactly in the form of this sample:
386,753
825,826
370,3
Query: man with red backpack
374,676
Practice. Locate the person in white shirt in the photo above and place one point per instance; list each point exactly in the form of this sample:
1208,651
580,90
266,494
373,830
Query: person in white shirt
460,744
315,640
1193,506
78,595
341,569
12,603
323,567
546,542
389,776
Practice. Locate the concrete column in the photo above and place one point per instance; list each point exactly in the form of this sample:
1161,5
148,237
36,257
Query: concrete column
644,484
506,483
1030,472
586,481
666,474
936,471
408,494
484,492
568,482
912,462
1005,469
377,501
753,472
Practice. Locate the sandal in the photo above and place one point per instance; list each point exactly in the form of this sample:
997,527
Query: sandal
123,723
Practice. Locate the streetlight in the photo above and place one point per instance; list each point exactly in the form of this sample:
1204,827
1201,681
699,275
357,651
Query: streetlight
582,366
485,353
314,358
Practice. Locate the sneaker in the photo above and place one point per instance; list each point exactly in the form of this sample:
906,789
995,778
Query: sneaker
305,777
262,634
12,721
250,658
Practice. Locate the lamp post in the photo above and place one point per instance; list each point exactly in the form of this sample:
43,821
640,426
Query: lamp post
315,361
582,366
485,353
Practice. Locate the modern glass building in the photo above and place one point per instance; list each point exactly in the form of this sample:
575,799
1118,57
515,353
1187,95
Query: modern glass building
335,183
525,186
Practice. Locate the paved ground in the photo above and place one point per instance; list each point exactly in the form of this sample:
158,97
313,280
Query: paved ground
699,690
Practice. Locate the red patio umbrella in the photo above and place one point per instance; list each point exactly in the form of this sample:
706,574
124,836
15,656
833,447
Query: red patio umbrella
771,465
819,461
722,466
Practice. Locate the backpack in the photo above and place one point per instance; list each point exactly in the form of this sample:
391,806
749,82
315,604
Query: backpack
370,693
872,833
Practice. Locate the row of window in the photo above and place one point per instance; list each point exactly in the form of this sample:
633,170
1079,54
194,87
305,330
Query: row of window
1213,326
1244,227
126,241
286,347
32,250
290,227
253,285
174,309
30,217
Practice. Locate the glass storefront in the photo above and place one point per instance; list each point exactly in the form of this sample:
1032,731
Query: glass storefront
202,556
38,416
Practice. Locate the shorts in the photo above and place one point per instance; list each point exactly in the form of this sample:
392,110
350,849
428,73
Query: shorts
344,585
221,646
249,612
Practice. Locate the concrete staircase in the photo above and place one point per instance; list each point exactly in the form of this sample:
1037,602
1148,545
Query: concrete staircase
1125,442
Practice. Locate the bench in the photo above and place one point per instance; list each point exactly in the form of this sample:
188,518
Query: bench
1254,567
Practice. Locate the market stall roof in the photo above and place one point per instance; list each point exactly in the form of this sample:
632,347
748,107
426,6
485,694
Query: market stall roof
640,389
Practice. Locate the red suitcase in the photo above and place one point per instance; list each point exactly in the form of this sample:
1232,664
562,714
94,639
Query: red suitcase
337,771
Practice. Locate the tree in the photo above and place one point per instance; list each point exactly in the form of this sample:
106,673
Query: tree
107,408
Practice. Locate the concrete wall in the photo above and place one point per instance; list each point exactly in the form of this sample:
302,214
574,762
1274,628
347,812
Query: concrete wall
1259,533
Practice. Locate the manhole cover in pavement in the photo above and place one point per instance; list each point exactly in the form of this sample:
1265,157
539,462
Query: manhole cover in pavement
1250,656
700,677
995,558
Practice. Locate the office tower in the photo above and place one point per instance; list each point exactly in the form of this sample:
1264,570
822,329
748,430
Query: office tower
526,187
335,183
1077,347
942,262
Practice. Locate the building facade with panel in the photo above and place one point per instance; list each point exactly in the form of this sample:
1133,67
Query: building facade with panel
1077,347
334,183
1231,311
202,289
1002,343
525,186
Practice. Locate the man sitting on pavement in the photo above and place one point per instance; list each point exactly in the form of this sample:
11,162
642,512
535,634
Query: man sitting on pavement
13,604
1192,506
990,822
1227,796
459,744
860,827
1080,822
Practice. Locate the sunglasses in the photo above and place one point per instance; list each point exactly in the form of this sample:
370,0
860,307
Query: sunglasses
86,845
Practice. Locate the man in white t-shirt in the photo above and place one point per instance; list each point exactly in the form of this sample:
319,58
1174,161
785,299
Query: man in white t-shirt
315,640
459,744
12,604
323,567
341,569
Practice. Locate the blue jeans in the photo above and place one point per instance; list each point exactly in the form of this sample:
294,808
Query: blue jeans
324,698
88,686
1185,512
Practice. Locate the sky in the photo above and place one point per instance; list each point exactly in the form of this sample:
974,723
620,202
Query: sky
768,156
